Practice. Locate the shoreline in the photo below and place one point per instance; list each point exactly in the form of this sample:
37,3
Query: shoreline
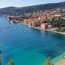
38,28
48,30
62,33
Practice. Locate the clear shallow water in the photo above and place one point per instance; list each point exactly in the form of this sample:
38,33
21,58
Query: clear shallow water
28,46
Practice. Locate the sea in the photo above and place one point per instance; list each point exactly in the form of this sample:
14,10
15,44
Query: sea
28,46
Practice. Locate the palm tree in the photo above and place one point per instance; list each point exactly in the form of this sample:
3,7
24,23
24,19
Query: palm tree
11,62
0,57
0,60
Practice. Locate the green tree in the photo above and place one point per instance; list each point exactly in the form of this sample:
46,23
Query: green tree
0,60
11,62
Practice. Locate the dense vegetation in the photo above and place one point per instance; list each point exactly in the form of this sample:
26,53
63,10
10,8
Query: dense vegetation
60,24
57,23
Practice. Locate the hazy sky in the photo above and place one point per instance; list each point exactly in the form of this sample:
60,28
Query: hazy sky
21,3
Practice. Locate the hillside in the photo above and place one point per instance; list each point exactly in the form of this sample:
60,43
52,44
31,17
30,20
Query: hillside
30,9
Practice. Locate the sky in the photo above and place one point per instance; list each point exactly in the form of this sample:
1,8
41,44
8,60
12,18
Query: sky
22,3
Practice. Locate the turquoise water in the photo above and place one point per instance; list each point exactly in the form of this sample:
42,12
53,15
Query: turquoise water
28,46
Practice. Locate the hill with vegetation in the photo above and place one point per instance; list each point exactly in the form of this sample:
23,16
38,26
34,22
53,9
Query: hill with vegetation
30,9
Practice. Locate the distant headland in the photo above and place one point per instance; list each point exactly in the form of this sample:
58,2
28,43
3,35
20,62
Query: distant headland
28,11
